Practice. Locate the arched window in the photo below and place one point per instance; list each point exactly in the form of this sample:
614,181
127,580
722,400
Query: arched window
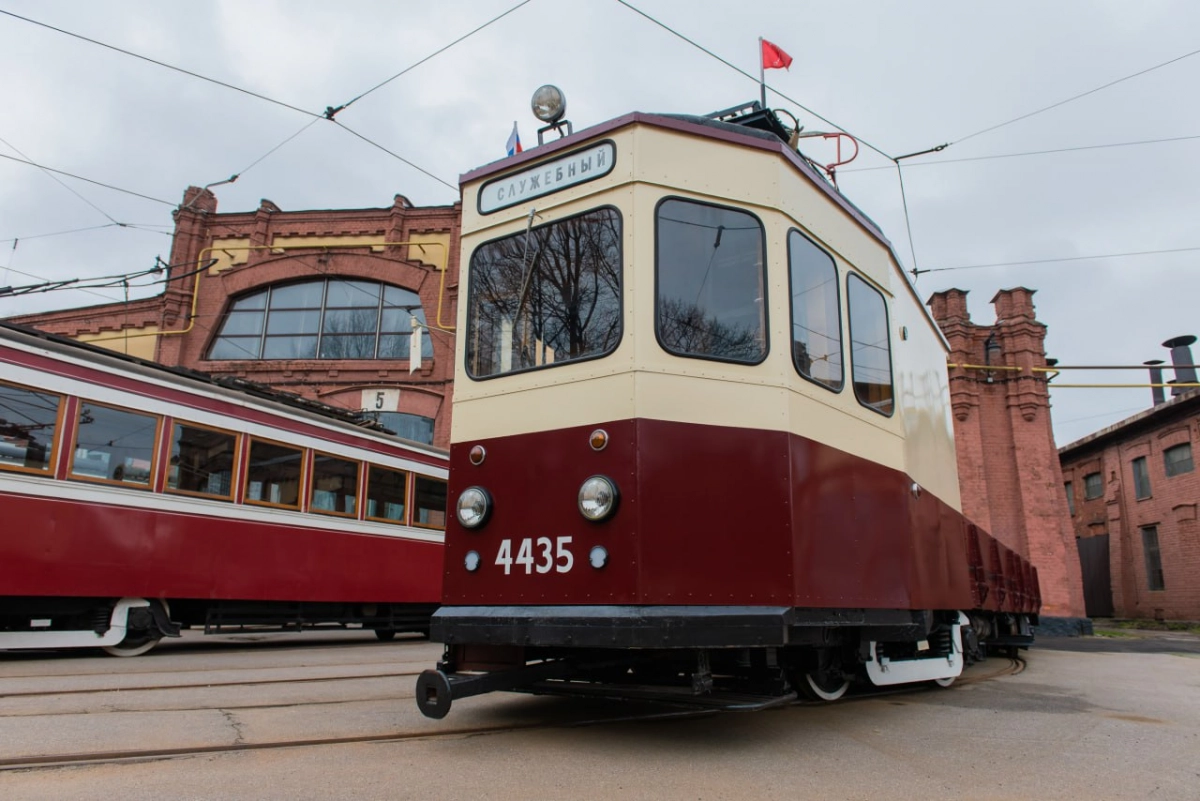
323,319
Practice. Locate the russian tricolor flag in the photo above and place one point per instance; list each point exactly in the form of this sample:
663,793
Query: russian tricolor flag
514,141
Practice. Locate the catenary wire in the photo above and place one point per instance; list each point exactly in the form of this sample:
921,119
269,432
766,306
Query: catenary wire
395,155
90,181
1061,259
50,174
1075,97
161,64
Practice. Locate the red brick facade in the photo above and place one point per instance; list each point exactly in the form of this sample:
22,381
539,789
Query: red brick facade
1007,462
268,247
1135,515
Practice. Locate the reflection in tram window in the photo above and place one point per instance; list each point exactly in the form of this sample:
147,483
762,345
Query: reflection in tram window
386,493
816,320
711,293
273,474
547,296
115,445
334,485
201,461
870,346
27,424
429,502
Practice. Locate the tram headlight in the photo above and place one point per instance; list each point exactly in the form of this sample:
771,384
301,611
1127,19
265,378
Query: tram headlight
474,507
598,498
549,103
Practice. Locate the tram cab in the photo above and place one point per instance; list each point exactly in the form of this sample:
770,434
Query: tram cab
698,412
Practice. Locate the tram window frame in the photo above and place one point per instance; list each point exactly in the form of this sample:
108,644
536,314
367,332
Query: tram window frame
764,333
55,432
151,470
372,469
794,235
235,460
472,351
854,363
415,509
311,485
248,480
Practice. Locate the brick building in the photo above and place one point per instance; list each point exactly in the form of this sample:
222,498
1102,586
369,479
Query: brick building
1008,467
1133,491
318,303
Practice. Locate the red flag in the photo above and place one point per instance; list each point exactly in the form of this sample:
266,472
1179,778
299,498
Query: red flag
773,57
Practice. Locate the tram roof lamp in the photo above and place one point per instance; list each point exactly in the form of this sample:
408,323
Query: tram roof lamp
549,103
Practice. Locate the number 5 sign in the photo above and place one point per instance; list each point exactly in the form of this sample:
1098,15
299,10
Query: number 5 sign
380,400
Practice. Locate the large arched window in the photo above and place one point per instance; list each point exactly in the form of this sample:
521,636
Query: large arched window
323,319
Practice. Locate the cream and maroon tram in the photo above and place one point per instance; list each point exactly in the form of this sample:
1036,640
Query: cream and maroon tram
135,500
701,446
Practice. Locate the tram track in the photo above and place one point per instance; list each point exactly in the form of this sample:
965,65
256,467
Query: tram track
1013,667
204,685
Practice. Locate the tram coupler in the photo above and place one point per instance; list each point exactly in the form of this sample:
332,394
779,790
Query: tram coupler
436,689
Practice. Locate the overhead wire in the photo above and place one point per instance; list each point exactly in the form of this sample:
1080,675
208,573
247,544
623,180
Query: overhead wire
1062,259
90,181
50,174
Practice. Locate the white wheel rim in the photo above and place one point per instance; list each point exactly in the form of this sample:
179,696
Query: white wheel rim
826,695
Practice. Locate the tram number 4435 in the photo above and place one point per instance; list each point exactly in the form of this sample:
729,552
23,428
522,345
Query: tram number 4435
541,555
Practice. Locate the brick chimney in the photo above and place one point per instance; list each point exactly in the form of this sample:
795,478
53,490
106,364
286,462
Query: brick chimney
1009,473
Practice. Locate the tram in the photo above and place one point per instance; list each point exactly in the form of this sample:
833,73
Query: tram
702,448
136,500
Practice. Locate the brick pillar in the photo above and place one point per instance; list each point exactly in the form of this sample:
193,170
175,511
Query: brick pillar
1009,471
191,235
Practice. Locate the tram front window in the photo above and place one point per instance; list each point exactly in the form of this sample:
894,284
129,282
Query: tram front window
545,297
711,301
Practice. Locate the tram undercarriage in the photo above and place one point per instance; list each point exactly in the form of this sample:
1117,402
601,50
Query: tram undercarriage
743,658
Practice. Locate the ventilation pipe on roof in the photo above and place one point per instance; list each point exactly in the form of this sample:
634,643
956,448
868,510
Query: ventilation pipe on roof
1181,358
1156,379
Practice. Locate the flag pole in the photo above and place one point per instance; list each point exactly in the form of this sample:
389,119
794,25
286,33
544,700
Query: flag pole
762,74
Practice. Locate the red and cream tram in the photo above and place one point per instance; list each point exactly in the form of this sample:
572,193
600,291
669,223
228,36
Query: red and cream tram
701,446
135,500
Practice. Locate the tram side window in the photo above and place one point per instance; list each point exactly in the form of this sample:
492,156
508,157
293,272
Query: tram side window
711,299
816,318
273,474
334,485
114,445
870,346
28,421
547,296
201,461
387,491
429,502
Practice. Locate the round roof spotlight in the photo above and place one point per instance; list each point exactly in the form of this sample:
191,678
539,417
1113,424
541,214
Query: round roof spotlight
598,439
598,498
471,561
474,507
549,104
598,556
477,454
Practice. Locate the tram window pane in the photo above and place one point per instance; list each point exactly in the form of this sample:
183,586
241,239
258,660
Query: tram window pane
816,317
546,297
386,494
870,346
201,461
27,424
711,299
114,444
273,474
334,485
429,502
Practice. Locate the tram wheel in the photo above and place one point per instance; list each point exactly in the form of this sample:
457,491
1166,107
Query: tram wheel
823,686
945,682
133,645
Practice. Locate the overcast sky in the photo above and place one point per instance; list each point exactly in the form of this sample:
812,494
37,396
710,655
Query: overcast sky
903,76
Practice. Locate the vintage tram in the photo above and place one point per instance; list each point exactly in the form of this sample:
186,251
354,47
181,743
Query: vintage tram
137,499
701,448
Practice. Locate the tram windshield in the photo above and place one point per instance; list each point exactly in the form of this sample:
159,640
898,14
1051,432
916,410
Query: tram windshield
545,297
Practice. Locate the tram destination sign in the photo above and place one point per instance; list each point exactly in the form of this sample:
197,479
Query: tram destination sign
548,177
